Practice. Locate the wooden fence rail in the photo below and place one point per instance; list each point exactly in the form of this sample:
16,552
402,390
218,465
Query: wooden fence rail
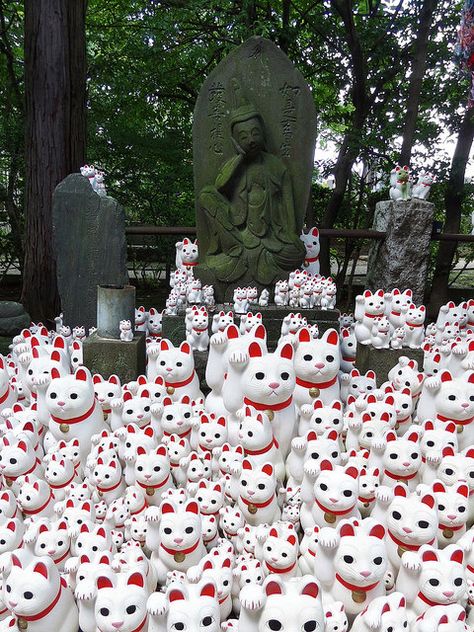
330,233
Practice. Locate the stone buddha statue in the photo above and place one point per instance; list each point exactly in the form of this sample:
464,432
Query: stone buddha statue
249,210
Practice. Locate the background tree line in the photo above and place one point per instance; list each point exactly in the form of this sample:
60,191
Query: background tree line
114,82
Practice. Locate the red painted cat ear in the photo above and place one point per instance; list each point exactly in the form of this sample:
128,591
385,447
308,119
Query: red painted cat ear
346,530
255,351
311,590
273,588
208,590
287,352
304,335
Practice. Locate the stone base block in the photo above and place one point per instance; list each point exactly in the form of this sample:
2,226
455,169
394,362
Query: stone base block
13,318
174,326
382,360
107,356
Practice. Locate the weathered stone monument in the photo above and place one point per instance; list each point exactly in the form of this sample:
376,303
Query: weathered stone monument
401,259
90,247
254,134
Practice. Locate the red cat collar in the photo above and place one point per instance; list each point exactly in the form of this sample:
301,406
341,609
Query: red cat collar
313,553
185,382
32,512
62,558
257,505
373,315
43,613
319,385
259,406
458,422
332,511
32,469
280,571
64,484
5,395
142,625
263,450
75,420
367,500
199,331
191,264
443,527
413,324
405,545
139,511
355,588
109,489
183,551
311,259
428,601
157,486
400,477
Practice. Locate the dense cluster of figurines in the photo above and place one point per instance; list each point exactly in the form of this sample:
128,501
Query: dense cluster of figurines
297,495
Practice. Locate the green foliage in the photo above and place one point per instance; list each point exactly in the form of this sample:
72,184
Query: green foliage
148,58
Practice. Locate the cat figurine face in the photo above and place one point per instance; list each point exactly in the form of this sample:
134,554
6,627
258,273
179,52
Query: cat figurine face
280,553
452,503
193,608
91,540
175,364
288,605
11,535
336,490
53,540
176,417
189,251
361,384
152,471
17,458
212,432
434,440
326,417
106,390
401,459
405,375
155,319
456,467
43,581
140,319
257,487
121,600
221,320
317,362
311,242
136,410
210,497
411,519
441,579
361,564
336,618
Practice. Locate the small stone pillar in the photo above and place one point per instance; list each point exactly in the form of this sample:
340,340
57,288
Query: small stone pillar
114,303
401,259
104,352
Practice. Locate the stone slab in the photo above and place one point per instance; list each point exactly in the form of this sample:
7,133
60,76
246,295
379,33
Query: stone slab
13,318
401,259
107,356
382,360
255,77
90,247
174,326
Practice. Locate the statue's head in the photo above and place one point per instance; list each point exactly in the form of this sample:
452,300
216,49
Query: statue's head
248,132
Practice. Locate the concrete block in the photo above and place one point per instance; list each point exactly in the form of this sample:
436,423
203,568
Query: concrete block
174,327
382,360
107,356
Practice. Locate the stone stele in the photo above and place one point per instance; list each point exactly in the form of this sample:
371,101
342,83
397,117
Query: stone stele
90,247
254,134
401,259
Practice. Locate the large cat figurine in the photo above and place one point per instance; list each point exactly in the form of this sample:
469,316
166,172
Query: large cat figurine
317,364
266,382
74,410
176,367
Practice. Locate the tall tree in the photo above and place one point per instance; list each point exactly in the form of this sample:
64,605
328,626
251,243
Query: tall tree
55,84
418,68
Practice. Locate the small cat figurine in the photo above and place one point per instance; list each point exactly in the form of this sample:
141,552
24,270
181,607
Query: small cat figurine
312,246
176,367
257,494
126,332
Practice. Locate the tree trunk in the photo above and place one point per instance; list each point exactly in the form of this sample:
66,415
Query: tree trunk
453,203
416,79
55,74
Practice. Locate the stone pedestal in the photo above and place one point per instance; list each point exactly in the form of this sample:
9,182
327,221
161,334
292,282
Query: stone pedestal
108,356
382,360
89,246
401,259
13,318
174,326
